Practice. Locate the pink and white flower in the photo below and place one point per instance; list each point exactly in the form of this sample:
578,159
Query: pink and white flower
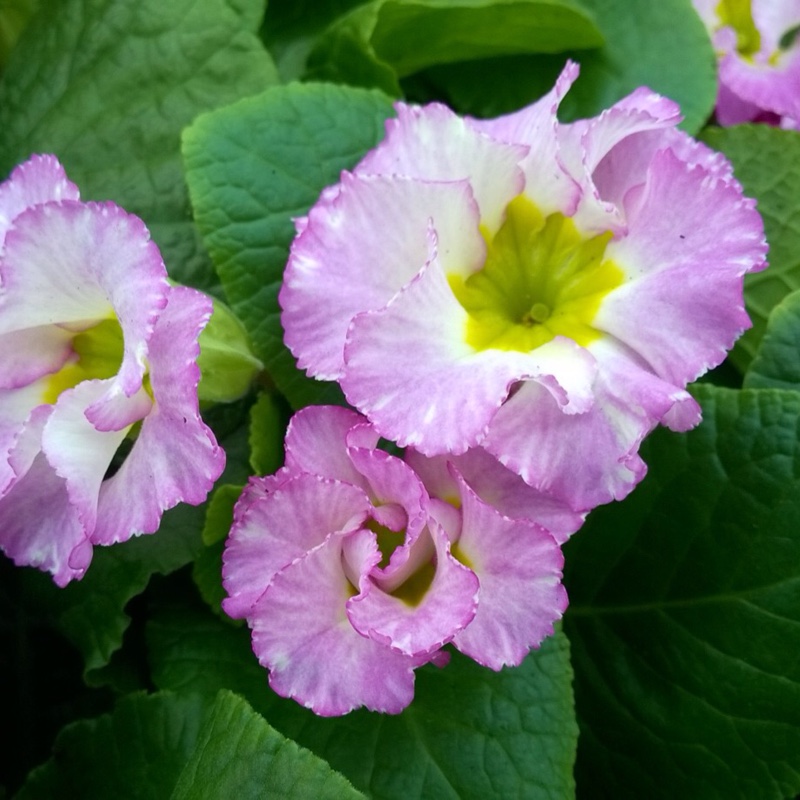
542,291
759,59
352,570
95,345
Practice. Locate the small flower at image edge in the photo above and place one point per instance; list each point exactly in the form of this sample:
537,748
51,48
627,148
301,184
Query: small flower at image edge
96,348
352,571
759,59
541,290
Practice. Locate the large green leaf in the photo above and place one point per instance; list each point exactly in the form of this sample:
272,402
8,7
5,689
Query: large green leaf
185,747
238,755
685,613
378,43
767,162
777,362
137,752
251,168
662,45
108,86
470,732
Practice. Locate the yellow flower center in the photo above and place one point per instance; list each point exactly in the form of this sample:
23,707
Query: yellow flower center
739,15
99,351
541,279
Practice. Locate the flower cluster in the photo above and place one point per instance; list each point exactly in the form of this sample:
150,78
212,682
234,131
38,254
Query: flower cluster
759,59
517,303
95,347
353,567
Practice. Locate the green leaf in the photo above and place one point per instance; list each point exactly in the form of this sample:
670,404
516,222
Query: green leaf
777,362
661,45
251,168
181,746
108,86
268,420
470,732
14,16
382,41
137,752
239,755
685,613
767,162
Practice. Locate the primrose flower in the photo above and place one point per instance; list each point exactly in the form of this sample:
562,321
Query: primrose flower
351,573
759,59
543,291
95,345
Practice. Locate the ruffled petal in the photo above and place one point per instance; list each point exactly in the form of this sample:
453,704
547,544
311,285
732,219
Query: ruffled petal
271,531
496,486
82,263
41,179
418,625
432,143
392,483
40,527
301,633
591,458
518,565
682,307
583,459
27,355
372,239
771,87
437,393
80,454
19,407
629,126
316,442
547,182
175,457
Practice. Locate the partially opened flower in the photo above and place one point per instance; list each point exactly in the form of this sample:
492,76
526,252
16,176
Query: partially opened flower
352,574
759,59
95,346
543,291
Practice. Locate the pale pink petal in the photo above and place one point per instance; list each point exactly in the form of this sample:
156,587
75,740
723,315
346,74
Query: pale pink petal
316,442
27,355
583,459
41,179
585,145
411,372
432,143
391,482
547,182
497,486
175,457
518,565
689,245
301,633
81,263
79,454
39,526
773,18
730,109
625,166
421,626
360,249
771,87
271,531
591,458
17,416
